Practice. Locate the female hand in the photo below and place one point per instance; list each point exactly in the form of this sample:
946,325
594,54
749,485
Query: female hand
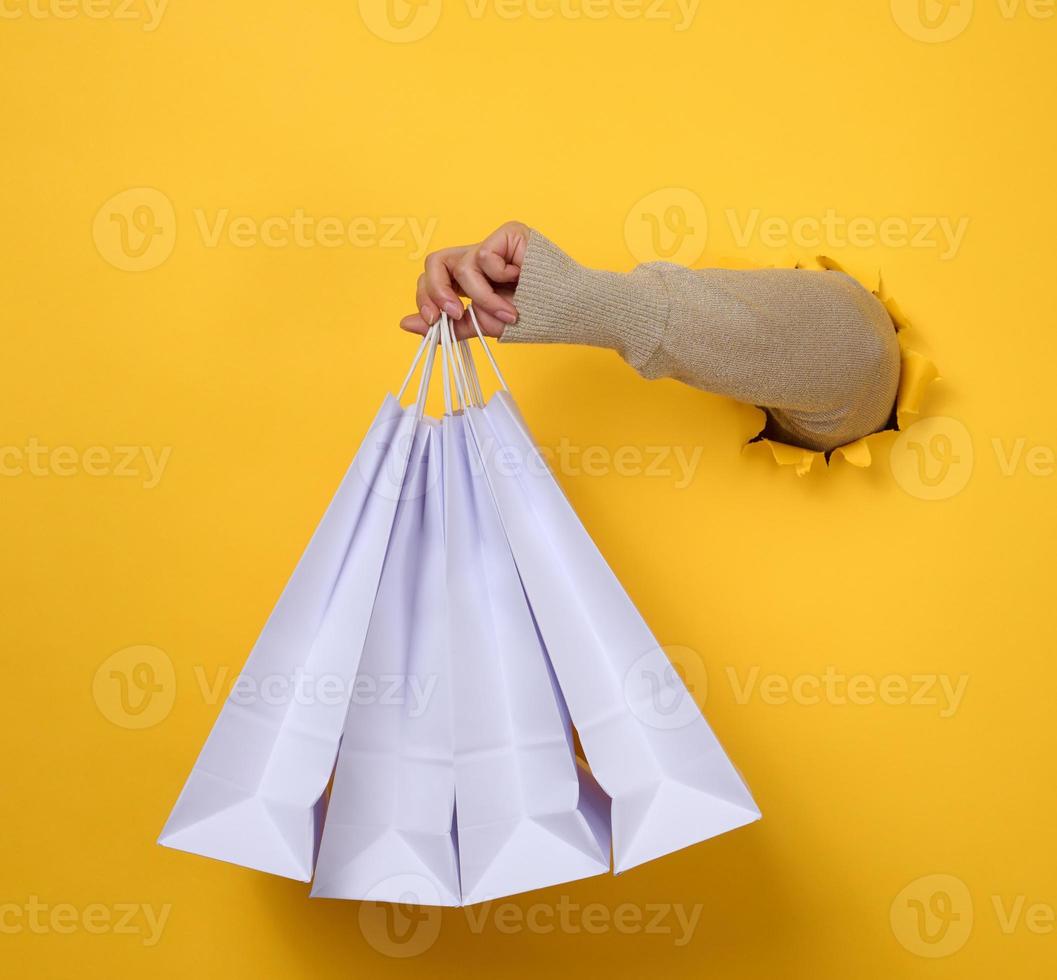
486,273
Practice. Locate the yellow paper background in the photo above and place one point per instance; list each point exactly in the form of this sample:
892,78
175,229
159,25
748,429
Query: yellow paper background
255,370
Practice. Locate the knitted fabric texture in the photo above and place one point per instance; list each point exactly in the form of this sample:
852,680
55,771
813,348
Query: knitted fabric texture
815,350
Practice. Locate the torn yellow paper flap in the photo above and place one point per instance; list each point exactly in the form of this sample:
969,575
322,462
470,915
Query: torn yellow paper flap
857,453
916,373
786,455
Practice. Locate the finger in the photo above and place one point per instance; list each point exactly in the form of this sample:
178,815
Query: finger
414,324
493,255
497,268
490,325
426,307
439,281
480,291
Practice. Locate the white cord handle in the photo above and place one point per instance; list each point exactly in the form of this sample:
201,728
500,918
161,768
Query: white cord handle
414,364
488,353
429,348
461,382
466,395
445,343
427,372
470,370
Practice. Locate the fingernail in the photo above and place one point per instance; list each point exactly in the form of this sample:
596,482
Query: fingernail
453,310
507,317
428,315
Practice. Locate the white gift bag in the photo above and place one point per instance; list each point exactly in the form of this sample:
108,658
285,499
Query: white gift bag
528,815
670,781
255,794
389,832
451,569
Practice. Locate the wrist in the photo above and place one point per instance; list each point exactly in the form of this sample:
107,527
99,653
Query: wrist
561,301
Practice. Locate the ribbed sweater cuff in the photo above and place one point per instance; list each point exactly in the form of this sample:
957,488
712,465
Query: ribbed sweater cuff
560,301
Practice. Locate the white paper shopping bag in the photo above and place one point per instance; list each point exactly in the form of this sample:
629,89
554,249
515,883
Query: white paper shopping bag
528,815
389,832
450,569
670,781
255,795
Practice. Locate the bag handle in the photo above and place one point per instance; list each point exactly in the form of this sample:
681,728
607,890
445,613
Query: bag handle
428,346
452,371
487,350
459,377
471,371
458,358
458,354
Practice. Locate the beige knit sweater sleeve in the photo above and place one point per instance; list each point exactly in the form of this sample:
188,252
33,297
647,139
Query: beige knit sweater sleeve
814,349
